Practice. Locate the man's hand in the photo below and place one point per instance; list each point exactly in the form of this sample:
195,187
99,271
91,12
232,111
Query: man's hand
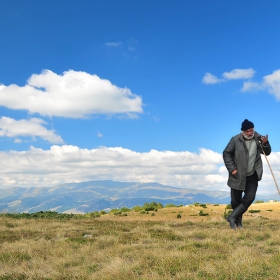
234,172
264,139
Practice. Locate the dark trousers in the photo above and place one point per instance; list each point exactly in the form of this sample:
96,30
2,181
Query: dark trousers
249,193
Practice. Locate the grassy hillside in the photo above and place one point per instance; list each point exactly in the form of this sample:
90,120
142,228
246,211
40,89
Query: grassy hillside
193,242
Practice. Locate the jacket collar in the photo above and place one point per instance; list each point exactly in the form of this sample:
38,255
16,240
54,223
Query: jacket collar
255,136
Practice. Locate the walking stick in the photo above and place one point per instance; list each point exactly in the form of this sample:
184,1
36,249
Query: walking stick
270,168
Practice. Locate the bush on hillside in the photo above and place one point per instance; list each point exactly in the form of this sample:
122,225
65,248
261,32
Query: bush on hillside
153,206
259,201
170,205
137,208
125,209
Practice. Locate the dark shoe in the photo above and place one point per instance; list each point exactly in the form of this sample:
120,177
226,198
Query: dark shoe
238,222
237,212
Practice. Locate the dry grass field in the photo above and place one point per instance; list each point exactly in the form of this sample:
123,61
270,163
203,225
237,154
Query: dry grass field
192,242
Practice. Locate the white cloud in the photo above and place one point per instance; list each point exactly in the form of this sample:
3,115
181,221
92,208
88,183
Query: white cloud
251,86
214,178
239,74
62,164
17,140
113,44
69,163
272,82
72,94
32,128
211,79
232,75
99,134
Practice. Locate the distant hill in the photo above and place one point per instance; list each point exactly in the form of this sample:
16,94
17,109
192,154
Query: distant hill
103,195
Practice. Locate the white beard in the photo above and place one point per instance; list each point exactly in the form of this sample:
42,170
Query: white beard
248,137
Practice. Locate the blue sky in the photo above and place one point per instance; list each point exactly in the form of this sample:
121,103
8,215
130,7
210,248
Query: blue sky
134,90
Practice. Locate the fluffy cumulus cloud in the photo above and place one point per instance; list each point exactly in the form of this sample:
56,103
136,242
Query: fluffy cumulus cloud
62,164
232,75
251,86
33,127
72,94
270,82
209,79
239,74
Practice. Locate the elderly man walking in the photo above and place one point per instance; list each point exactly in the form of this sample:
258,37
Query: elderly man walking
242,158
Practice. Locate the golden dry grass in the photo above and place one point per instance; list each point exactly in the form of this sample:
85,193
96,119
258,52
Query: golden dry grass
269,210
157,245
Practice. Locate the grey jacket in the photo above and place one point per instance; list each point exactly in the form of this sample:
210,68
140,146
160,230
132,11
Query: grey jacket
235,156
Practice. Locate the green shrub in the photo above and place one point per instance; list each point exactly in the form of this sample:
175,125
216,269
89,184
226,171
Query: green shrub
202,214
137,208
170,205
254,211
94,214
114,210
196,204
125,209
152,206
227,213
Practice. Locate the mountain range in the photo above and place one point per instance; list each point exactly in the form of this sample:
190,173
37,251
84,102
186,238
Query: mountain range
93,196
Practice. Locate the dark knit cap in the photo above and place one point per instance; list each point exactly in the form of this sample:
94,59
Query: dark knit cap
246,125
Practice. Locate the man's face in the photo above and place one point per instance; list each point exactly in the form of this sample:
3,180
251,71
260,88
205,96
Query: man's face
249,132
